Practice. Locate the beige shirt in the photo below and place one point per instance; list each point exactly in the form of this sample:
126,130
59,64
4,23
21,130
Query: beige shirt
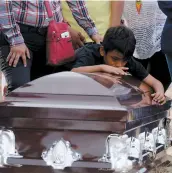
99,11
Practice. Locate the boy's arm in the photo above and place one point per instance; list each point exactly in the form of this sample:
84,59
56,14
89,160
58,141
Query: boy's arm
100,68
87,69
158,96
137,70
86,62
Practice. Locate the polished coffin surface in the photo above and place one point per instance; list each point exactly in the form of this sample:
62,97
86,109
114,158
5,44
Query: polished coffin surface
83,109
66,100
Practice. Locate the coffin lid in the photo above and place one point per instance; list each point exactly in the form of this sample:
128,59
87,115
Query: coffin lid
64,100
75,90
70,83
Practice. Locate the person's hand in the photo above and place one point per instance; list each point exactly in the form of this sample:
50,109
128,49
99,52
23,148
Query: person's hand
114,70
97,38
78,39
17,52
159,98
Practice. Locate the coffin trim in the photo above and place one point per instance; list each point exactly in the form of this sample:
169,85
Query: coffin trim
60,155
7,147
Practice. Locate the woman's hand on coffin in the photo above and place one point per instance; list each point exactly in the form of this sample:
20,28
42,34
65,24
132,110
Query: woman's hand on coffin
17,52
78,39
114,70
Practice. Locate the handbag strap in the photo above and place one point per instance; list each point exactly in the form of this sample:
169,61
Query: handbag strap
48,9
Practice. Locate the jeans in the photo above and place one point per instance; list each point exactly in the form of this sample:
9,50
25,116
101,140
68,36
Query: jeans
15,77
169,62
35,40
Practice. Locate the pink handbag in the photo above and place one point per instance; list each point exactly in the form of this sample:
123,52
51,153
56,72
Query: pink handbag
59,46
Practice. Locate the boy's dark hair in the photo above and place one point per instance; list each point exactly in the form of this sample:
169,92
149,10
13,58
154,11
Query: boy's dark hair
121,39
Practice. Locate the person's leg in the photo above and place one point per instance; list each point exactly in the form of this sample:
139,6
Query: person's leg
15,76
39,67
35,39
169,63
159,68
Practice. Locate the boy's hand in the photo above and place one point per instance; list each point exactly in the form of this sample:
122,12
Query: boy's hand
114,70
159,98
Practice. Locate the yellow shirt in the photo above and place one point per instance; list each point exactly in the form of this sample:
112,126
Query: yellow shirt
99,12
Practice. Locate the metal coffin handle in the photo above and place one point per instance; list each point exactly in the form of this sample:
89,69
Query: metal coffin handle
60,155
7,148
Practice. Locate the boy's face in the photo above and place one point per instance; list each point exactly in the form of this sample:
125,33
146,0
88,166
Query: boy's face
113,58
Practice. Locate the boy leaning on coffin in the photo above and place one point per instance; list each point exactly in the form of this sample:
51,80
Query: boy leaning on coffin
115,56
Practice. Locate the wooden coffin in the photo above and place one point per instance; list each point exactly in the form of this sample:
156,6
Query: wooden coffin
70,122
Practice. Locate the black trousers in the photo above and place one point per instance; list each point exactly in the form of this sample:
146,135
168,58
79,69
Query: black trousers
158,68
35,39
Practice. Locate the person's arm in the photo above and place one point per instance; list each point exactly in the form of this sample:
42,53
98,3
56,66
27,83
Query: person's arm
158,96
117,8
137,70
11,30
80,13
8,25
88,69
86,62
166,7
101,68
